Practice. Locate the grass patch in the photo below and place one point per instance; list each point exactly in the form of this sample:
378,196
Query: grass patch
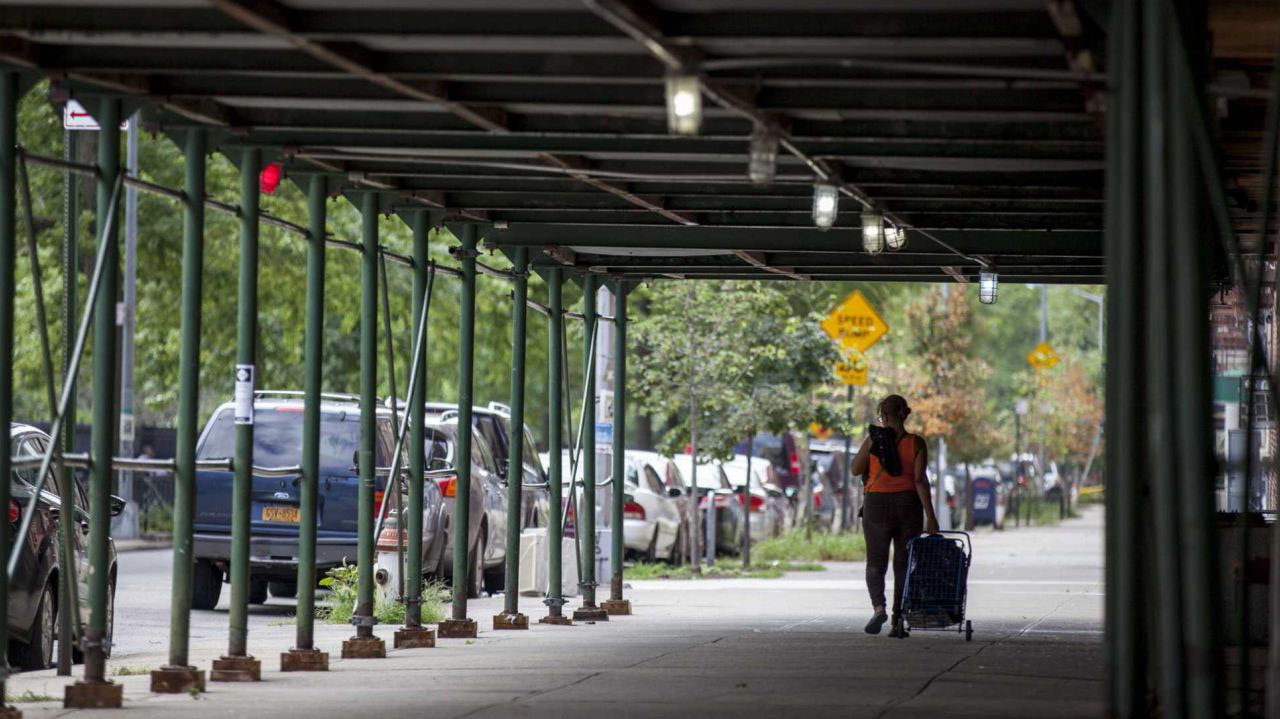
30,696
728,570
799,546
341,582
284,622
127,671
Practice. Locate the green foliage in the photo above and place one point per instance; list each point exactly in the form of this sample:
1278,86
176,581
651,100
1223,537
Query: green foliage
735,349
771,570
128,671
800,546
342,585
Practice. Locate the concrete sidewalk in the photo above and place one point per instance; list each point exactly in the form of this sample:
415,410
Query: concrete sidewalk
713,648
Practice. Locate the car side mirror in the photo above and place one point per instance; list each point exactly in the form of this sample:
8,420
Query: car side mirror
674,492
117,505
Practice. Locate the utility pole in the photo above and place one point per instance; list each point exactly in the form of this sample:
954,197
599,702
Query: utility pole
940,492
126,525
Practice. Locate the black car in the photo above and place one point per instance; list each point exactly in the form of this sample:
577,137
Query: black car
784,460
33,588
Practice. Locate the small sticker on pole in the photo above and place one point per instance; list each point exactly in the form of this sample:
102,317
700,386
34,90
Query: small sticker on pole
244,394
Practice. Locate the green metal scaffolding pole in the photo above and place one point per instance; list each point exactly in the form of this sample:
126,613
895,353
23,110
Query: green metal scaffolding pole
246,378
104,391
619,437
589,610
417,415
184,486
8,243
460,625
313,349
68,629
363,617
555,444
511,617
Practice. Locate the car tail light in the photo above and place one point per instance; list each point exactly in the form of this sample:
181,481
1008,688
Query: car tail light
15,511
757,504
377,503
817,500
721,501
632,510
795,464
448,486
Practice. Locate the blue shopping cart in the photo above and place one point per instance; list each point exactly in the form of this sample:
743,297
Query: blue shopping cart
938,582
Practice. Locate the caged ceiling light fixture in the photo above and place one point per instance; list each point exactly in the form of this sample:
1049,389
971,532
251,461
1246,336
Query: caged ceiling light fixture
988,286
826,203
894,237
873,232
684,103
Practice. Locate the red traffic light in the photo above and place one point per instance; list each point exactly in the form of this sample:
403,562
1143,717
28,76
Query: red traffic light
269,178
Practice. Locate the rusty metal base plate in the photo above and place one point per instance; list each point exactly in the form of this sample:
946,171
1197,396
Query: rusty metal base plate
364,648
176,680
616,607
590,614
304,660
510,621
236,669
557,619
457,629
93,695
414,638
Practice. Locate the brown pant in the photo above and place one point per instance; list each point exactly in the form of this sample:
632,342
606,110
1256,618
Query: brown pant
890,517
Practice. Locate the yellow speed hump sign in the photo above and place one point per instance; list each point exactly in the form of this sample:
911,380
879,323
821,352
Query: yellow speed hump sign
854,324
1042,357
852,370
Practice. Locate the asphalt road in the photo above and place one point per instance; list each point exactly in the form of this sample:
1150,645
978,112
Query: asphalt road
750,648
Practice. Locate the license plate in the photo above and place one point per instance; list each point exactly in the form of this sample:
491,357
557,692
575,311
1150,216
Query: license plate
280,514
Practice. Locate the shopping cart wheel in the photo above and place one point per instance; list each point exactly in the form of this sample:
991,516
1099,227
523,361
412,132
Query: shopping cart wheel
968,630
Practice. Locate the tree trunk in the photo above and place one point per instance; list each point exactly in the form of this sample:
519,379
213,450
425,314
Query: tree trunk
968,498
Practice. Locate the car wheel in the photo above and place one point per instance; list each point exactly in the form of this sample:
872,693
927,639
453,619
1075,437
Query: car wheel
206,585
257,591
38,653
475,577
284,590
651,554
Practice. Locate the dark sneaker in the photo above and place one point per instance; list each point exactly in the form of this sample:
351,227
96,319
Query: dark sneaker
898,631
877,620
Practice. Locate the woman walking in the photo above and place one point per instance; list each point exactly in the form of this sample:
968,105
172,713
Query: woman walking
897,505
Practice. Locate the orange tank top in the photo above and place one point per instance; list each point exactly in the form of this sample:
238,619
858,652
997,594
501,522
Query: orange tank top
878,481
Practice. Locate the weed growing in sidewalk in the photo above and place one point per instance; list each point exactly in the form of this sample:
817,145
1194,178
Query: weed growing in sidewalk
29,696
797,546
342,585
126,671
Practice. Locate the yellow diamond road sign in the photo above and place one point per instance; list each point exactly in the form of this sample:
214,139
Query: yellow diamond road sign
1043,356
854,324
853,369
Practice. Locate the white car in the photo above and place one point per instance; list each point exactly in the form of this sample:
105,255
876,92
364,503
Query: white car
651,520
768,511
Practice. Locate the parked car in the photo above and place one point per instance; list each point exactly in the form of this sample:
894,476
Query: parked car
767,510
651,521
487,517
714,486
827,460
784,460
275,511
494,424
33,589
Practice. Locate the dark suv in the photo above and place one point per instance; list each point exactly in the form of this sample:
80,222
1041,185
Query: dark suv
275,510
